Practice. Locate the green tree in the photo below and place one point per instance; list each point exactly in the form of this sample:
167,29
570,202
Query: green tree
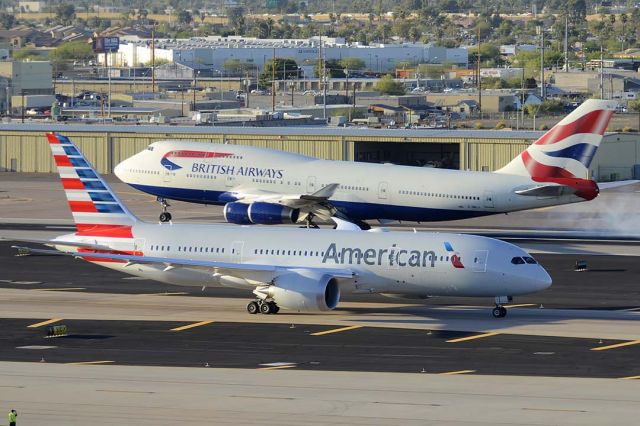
184,17
65,13
285,69
69,52
236,19
334,68
7,20
388,86
352,64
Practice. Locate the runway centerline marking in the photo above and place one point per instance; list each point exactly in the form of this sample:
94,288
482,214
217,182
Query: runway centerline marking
475,336
617,345
40,324
188,326
336,330
630,378
453,373
89,362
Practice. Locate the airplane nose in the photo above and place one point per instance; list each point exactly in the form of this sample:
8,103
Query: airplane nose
542,279
119,170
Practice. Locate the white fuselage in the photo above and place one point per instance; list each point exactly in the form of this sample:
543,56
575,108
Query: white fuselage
367,190
381,262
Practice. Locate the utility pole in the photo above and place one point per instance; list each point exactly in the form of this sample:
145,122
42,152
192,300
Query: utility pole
153,60
541,29
566,44
479,78
601,73
273,82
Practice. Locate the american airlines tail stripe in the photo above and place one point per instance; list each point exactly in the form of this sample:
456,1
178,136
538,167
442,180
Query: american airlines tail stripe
78,162
101,196
108,208
86,174
94,184
62,161
82,206
71,183
592,122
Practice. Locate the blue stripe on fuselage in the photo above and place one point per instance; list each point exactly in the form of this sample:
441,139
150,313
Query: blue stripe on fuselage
356,211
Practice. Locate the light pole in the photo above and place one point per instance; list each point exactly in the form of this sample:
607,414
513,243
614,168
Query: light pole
195,85
182,101
220,84
247,85
540,29
291,86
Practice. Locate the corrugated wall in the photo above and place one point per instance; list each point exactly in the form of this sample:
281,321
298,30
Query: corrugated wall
30,151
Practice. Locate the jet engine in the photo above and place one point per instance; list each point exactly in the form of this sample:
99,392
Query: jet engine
260,213
304,291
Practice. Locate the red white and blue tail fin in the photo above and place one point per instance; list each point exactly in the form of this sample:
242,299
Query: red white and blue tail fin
97,210
565,151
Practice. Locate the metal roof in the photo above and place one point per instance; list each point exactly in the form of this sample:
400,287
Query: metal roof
276,131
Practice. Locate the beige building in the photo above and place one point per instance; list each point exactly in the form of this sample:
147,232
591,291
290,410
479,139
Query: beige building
24,147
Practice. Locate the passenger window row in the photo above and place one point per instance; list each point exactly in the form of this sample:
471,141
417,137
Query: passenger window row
438,195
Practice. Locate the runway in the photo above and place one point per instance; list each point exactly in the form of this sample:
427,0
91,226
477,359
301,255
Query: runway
567,355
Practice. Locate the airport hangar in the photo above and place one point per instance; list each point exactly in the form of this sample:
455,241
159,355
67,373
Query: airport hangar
23,146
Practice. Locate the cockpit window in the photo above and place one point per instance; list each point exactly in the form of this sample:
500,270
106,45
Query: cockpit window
530,260
150,148
517,261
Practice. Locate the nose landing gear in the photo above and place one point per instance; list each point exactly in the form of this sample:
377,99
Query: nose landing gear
500,311
165,216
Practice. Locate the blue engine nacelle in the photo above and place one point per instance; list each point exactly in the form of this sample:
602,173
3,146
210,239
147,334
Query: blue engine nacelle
237,213
260,213
272,214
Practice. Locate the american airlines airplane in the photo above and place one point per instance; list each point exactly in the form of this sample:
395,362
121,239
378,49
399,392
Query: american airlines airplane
261,186
293,268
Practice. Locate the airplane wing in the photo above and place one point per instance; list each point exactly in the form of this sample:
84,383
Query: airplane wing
319,200
255,272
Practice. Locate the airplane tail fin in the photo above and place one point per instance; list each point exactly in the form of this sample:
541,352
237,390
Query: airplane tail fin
97,210
565,151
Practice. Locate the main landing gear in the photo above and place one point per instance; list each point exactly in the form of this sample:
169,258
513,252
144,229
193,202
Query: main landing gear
500,311
165,216
309,223
263,307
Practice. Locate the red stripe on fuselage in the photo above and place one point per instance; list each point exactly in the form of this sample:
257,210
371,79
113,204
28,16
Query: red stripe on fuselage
62,161
593,122
72,183
96,230
195,154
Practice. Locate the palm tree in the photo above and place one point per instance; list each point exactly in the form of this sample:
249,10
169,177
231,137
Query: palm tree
624,18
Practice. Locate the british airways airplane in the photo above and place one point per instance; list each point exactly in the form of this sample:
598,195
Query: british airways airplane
261,186
292,268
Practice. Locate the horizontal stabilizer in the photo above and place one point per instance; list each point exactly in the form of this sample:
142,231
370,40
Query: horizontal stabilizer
616,184
26,251
59,243
547,191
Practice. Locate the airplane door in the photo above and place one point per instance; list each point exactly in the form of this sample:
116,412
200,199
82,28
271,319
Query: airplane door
480,261
138,246
311,184
167,175
236,251
383,190
488,199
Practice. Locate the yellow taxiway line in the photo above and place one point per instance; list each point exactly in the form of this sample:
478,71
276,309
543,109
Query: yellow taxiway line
278,367
188,326
336,330
47,322
476,336
617,345
60,289
522,305
89,362
630,378
453,373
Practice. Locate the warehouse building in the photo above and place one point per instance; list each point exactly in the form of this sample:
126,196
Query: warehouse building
24,147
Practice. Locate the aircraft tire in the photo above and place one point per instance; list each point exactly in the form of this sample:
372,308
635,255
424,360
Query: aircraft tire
165,217
499,312
253,308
